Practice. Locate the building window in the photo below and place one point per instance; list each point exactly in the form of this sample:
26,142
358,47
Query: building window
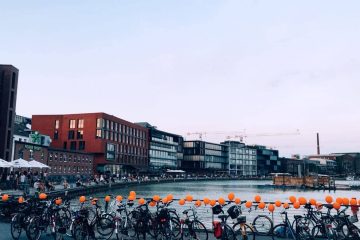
56,135
81,123
57,124
110,151
13,80
98,133
80,134
81,145
72,145
71,134
65,145
72,124
98,123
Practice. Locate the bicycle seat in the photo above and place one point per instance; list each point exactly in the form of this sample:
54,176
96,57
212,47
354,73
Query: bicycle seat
185,212
222,216
297,216
130,204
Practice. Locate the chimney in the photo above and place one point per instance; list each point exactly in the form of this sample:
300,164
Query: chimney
318,143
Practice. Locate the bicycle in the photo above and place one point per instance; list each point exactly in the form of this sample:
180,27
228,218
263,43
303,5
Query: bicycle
222,230
191,227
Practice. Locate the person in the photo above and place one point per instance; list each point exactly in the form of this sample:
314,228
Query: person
49,186
78,183
65,184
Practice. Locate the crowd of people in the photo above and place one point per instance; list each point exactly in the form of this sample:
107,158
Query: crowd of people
41,182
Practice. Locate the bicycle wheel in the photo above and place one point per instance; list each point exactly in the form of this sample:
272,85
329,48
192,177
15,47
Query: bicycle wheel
195,230
283,231
228,233
33,231
81,232
105,227
263,225
16,226
244,232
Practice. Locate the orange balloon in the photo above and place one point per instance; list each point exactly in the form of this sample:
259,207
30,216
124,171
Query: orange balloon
165,200
198,203
132,193
141,201
271,208
292,199
286,205
5,197
312,202
237,201
353,201
261,205
302,200
152,204
257,198
21,200
212,203
82,199
221,201
189,198
107,198
336,205
296,205
248,204
156,198
119,198
278,203
339,200
346,201
231,196
42,196
206,201
131,198
58,201
329,199
181,202
170,197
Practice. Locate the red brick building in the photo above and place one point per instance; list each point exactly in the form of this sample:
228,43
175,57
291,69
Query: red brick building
117,145
63,163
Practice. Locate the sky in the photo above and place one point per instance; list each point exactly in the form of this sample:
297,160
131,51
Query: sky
263,67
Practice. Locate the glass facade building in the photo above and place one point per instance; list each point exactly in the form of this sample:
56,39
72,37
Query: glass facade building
166,149
267,160
242,161
204,156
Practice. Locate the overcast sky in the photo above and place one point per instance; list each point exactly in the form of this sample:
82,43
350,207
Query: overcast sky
266,66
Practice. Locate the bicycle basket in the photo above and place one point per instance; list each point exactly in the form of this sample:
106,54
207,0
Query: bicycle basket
217,209
241,219
233,212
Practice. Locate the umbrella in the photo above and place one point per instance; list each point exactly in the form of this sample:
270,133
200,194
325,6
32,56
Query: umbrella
21,163
36,164
5,164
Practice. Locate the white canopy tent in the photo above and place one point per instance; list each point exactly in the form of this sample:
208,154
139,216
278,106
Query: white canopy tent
21,163
5,164
36,164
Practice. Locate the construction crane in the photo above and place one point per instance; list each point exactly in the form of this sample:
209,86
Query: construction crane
242,136
202,134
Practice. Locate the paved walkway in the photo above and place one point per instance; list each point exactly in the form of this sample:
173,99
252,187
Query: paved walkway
5,234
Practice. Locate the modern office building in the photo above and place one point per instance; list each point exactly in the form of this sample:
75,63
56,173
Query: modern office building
166,149
200,156
267,160
241,159
118,146
8,92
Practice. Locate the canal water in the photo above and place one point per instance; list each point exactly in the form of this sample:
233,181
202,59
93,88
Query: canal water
244,189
